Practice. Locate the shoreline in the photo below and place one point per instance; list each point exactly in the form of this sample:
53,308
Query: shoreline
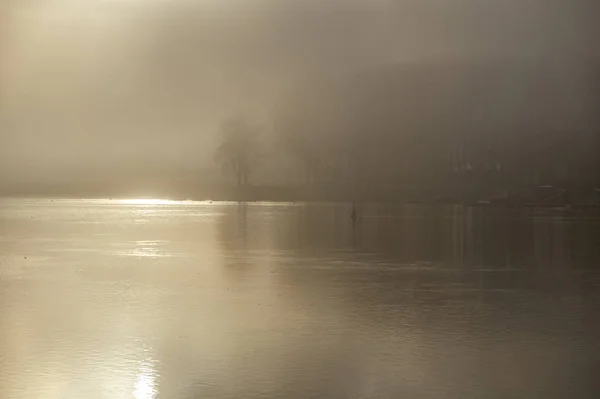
173,200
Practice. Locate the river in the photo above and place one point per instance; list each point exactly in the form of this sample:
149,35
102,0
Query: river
158,299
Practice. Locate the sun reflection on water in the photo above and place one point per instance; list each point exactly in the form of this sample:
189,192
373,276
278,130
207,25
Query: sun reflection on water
148,201
146,249
145,384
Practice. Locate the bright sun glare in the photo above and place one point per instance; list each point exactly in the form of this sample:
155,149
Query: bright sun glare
147,201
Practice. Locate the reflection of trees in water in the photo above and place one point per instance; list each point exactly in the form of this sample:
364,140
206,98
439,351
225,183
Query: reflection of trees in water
232,227
459,237
416,279
441,252
234,242
245,234
314,228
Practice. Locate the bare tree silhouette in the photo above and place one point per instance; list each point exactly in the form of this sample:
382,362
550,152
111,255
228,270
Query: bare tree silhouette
240,149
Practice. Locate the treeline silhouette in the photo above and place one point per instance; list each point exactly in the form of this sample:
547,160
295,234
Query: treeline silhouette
477,131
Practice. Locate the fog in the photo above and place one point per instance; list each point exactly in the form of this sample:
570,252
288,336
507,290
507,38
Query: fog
105,85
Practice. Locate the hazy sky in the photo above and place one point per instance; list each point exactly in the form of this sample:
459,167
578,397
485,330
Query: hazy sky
94,82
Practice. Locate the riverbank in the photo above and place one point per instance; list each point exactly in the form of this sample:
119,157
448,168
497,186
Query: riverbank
523,197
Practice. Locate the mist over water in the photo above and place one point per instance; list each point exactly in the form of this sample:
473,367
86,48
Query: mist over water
97,87
447,150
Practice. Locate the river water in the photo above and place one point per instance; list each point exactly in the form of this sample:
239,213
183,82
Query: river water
124,299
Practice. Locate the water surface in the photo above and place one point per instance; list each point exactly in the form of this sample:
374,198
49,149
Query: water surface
112,299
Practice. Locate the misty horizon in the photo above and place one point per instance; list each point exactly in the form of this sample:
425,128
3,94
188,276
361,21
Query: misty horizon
299,199
100,85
